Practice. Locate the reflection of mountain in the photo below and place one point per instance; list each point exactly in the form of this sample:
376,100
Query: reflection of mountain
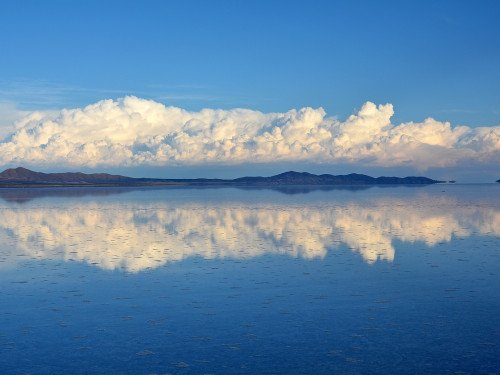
135,236
26,195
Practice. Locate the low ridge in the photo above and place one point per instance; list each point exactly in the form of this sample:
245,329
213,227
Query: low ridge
25,177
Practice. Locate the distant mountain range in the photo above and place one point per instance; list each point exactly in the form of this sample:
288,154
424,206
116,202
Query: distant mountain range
25,177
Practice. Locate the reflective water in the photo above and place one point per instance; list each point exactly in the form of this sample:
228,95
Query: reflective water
223,281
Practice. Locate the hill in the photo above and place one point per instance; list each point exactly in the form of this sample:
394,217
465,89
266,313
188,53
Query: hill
304,178
25,177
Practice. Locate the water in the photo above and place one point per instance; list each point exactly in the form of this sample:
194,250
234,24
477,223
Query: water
224,281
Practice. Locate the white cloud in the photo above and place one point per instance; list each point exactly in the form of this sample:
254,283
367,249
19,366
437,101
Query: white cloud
9,114
133,131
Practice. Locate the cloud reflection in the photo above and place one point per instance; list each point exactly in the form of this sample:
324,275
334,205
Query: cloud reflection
135,236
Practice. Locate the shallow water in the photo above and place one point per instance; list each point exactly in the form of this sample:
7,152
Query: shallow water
224,281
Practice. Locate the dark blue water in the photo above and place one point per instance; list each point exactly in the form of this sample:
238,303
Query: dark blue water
224,281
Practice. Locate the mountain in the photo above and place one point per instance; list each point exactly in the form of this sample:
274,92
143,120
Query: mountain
304,178
25,177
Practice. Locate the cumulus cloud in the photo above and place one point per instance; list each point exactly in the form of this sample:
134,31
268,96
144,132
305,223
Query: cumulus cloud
9,114
133,131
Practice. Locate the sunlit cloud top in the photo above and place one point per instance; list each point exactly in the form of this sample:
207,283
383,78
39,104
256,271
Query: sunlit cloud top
132,132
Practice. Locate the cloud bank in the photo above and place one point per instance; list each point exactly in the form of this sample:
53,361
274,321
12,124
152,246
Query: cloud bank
132,131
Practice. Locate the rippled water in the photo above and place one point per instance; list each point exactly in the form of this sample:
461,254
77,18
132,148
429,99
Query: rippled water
223,281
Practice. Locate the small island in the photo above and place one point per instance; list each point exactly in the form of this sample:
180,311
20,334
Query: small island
22,177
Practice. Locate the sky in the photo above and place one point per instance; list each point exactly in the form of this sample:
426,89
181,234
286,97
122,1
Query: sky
231,88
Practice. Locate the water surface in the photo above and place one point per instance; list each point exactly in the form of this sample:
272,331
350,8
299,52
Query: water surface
375,280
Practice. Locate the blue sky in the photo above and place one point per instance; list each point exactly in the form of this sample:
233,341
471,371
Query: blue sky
438,59
428,58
